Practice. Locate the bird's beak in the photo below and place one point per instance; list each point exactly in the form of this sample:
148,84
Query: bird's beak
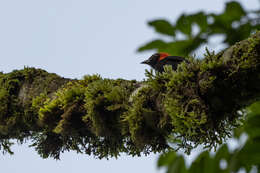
145,62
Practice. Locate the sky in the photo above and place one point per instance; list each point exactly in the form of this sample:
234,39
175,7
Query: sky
77,37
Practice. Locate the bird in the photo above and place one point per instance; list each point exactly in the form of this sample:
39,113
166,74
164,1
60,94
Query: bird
158,60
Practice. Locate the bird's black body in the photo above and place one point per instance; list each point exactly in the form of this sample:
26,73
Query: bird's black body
174,61
158,60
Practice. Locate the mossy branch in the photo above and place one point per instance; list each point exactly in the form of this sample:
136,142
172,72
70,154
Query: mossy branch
197,104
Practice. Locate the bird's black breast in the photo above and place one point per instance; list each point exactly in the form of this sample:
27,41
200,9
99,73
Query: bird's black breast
174,61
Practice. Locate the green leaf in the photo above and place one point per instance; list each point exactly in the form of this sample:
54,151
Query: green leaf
252,126
184,24
254,109
177,48
163,27
203,164
166,159
223,22
182,47
178,166
174,163
201,19
220,25
222,153
237,132
233,11
155,44
250,154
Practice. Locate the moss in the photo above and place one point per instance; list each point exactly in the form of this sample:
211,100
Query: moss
197,104
11,124
198,99
88,109
4,103
144,124
17,119
39,101
105,101
206,83
182,103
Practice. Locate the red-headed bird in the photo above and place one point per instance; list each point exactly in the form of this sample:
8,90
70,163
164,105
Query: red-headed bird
158,60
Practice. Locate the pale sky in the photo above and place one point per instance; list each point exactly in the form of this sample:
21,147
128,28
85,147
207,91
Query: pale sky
77,37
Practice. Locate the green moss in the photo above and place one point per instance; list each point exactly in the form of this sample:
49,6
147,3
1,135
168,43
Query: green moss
39,101
206,83
17,117
88,109
104,102
194,116
4,103
197,104
147,126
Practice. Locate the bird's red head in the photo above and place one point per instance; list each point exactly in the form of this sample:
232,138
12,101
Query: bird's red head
163,55
155,58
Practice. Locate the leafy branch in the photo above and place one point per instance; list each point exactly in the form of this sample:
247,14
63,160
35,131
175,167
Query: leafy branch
191,31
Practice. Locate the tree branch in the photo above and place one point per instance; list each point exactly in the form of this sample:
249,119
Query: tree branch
197,104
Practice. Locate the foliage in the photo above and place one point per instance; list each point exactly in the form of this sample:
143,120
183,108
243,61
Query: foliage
245,157
190,31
